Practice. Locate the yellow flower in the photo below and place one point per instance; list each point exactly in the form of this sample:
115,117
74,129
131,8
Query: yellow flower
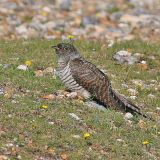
44,106
145,142
87,135
70,37
28,63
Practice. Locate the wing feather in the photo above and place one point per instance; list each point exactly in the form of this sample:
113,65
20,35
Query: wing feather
89,77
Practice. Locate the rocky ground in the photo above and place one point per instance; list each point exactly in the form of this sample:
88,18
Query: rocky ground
102,19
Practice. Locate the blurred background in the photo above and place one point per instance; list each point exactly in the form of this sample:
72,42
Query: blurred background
89,19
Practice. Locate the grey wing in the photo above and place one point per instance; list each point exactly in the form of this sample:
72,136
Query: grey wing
90,78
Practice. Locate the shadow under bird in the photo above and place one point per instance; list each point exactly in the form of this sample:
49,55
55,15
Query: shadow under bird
87,80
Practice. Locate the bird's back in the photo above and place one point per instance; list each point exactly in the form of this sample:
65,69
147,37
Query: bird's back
98,85
92,79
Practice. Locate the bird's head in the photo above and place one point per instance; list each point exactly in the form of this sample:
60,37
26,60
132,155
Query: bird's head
66,51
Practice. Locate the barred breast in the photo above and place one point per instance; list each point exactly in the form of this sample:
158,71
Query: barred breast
68,80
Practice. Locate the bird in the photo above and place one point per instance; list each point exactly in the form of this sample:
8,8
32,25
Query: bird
83,77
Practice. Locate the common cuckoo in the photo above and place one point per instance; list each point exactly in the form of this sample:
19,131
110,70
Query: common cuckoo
87,80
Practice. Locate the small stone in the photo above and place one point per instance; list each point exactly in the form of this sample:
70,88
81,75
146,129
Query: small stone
48,70
133,92
76,136
143,62
51,123
46,9
9,145
64,156
125,85
51,150
142,124
5,65
3,157
50,25
21,30
9,115
74,116
116,16
125,57
133,97
1,91
72,95
158,108
128,116
38,73
154,81
49,37
19,157
22,67
120,140
14,101
111,43
152,57
151,96
88,21
131,19
65,4
143,66
49,97
138,55
2,132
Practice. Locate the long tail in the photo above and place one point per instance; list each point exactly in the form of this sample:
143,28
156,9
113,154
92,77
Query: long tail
127,106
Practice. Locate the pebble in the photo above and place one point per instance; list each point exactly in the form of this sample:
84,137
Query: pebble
5,65
19,157
120,140
133,97
51,123
72,95
65,4
73,115
22,67
143,62
116,16
3,157
125,85
9,145
128,116
133,92
158,108
125,57
138,82
48,70
101,20
88,21
21,30
1,91
76,136
151,96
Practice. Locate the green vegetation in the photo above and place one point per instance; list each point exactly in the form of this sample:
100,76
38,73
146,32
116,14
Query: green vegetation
50,133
